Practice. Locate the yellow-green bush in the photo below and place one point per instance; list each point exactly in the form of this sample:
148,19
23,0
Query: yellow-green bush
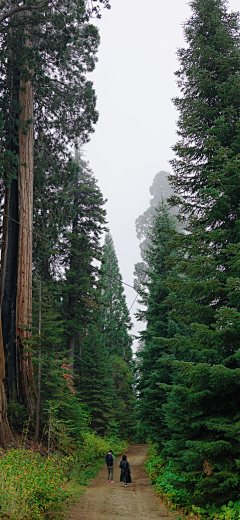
94,447
30,485
90,455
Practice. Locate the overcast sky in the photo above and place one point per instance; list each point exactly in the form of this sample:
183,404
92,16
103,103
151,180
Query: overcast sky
134,81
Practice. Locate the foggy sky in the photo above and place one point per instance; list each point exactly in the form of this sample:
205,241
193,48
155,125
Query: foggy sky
134,81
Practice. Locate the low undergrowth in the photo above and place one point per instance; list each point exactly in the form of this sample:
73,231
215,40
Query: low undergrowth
33,487
177,498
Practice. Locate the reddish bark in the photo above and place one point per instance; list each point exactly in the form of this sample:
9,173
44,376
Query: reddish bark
24,267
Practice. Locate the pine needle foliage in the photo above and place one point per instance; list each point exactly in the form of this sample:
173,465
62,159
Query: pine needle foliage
160,323
202,410
115,326
201,356
79,246
116,322
94,380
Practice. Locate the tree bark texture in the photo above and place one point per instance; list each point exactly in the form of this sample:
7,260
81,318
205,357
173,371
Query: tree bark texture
9,248
25,238
9,254
16,374
6,437
37,425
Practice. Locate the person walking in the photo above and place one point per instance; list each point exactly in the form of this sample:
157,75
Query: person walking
109,461
125,471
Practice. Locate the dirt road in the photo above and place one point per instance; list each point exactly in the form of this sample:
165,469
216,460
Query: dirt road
103,501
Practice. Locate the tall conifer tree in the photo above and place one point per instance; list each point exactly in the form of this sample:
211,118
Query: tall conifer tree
94,379
116,322
155,296
45,53
159,190
202,412
80,247
115,328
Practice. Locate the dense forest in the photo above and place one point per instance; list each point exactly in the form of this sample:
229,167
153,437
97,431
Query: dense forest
188,372
54,283
70,385
66,383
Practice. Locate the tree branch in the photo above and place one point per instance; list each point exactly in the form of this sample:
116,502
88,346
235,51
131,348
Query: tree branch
20,8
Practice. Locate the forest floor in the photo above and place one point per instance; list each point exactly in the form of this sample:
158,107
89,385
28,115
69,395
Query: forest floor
103,501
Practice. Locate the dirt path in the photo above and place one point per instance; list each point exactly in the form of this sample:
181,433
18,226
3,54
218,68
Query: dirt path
103,501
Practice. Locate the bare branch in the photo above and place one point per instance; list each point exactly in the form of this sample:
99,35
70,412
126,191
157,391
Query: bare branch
20,8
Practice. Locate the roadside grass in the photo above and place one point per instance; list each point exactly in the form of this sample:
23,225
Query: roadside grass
80,480
33,487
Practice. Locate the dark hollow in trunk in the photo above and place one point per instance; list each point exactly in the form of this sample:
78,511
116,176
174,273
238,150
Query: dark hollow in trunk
9,290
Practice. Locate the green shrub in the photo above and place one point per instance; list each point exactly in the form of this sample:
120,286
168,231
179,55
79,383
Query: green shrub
30,486
167,485
170,487
212,512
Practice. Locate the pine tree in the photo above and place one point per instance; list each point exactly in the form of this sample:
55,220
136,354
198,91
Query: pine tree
58,394
115,327
45,55
160,324
47,306
80,246
202,412
159,190
206,169
116,322
94,380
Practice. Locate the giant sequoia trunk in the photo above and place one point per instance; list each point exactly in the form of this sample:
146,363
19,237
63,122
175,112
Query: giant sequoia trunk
9,255
24,267
16,256
9,250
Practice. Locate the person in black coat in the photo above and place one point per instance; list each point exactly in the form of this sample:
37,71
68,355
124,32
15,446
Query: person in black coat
125,471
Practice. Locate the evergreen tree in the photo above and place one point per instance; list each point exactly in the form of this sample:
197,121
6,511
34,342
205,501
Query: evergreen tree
46,52
115,327
206,169
116,322
159,190
79,247
94,380
51,212
59,404
47,308
202,411
155,296
77,227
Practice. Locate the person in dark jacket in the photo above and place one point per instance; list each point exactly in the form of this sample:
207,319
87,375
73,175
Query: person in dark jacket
125,471
109,461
